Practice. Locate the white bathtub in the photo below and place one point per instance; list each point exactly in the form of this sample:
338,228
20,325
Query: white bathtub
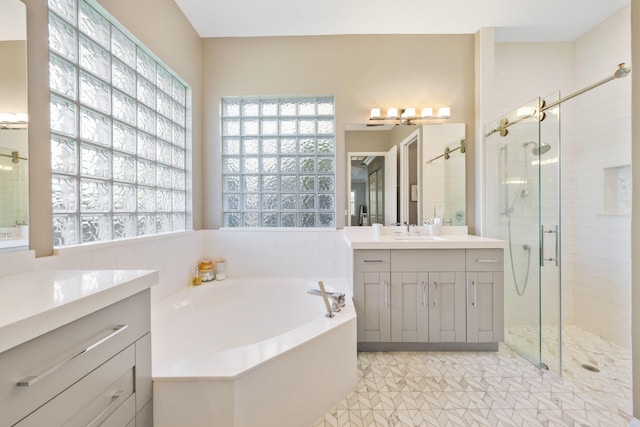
250,352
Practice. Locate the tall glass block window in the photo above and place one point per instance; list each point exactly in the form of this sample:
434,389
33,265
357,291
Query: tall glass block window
118,131
278,162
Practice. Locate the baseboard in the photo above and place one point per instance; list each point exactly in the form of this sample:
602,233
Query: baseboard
424,346
634,422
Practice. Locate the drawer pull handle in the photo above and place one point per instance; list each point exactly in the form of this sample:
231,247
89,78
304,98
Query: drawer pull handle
487,260
29,381
372,260
98,419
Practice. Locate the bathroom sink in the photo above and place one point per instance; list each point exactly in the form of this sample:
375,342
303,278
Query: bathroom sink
418,237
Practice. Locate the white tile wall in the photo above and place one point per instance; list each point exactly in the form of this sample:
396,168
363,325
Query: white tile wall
306,253
279,253
596,134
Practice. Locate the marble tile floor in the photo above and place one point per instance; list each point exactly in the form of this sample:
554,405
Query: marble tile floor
479,389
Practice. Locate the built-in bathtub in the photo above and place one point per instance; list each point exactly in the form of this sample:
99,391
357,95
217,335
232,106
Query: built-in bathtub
250,352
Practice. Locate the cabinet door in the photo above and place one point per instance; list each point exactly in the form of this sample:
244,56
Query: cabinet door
447,307
409,307
485,306
372,292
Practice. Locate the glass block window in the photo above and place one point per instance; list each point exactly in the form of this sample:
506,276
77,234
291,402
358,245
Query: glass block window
278,162
118,131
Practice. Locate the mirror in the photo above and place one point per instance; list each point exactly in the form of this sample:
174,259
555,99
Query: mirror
14,184
424,182
444,173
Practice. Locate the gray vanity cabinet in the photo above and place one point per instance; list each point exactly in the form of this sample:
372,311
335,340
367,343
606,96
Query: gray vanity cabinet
485,288
95,370
427,295
429,298
372,295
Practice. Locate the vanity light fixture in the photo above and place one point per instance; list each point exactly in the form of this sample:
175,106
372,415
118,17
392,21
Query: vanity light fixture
409,116
13,121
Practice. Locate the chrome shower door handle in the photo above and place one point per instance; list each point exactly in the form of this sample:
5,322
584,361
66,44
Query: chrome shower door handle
557,245
542,245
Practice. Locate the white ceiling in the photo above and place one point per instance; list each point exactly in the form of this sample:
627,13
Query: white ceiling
514,20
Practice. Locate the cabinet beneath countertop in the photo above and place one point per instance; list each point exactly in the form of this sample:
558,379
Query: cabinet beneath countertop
428,299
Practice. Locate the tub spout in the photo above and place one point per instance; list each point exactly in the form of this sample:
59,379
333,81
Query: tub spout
337,299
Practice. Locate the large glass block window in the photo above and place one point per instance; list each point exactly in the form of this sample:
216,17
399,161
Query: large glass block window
118,131
278,162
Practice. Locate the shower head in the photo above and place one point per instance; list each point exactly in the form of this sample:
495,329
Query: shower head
622,71
521,194
538,149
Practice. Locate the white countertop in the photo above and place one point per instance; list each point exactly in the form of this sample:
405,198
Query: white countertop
34,303
364,238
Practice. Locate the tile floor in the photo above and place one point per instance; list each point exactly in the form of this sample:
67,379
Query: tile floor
489,389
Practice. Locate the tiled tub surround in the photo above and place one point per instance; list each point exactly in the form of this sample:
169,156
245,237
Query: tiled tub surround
249,352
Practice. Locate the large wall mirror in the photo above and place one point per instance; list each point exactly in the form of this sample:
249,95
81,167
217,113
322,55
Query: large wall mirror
405,174
14,171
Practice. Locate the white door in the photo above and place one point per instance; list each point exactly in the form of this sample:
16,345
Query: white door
390,186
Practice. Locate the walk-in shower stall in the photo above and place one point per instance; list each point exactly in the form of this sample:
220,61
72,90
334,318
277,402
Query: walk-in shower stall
522,205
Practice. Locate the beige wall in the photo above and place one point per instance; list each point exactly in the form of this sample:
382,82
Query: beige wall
360,71
13,76
148,20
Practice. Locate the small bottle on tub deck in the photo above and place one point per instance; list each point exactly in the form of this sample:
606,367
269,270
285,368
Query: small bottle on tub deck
207,270
220,274
195,278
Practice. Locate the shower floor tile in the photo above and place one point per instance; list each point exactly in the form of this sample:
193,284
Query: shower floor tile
489,389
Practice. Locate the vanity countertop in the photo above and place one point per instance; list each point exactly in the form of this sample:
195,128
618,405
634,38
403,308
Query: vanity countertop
364,238
37,302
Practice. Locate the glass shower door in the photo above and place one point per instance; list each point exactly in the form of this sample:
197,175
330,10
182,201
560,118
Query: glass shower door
518,202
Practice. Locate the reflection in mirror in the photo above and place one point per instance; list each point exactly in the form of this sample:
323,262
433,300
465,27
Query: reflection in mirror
444,176
369,174
428,186
13,127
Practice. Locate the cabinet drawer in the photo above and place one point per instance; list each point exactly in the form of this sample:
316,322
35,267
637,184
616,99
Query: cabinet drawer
94,399
485,260
372,260
427,260
58,359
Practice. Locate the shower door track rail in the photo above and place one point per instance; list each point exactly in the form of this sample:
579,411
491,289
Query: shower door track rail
621,71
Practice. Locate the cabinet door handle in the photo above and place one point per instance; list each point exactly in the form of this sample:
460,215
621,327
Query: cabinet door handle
435,301
386,293
424,294
487,260
475,293
29,381
114,400
372,260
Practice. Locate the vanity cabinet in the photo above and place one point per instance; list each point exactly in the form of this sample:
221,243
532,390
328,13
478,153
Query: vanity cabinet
485,302
450,298
93,371
372,295
427,295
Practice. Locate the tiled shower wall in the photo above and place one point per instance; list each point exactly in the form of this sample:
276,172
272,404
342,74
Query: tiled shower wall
596,144
596,159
